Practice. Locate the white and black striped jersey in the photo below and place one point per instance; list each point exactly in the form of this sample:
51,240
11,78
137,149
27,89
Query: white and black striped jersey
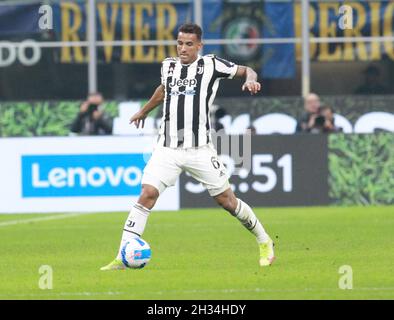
189,94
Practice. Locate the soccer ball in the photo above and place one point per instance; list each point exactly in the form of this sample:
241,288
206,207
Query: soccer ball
136,253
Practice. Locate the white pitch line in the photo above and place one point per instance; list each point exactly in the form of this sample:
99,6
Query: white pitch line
39,219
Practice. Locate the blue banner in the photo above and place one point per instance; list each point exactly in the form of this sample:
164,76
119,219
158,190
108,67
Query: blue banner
21,19
237,20
117,21
279,59
82,175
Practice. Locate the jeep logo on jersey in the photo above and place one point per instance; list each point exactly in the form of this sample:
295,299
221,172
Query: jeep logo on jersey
183,82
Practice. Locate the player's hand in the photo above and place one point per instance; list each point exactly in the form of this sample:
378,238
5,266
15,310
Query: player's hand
252,86
138,118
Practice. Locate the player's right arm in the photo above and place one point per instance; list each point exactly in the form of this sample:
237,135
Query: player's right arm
250,77
156,99
229,70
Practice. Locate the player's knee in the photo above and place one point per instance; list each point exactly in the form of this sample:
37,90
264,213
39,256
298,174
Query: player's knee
227,202
149,192
148,197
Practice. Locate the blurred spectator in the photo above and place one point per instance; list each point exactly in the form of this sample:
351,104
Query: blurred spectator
372,84
324,121
307,120
329,122
91,119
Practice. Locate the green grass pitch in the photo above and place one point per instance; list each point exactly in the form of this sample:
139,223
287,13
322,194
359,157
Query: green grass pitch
202,254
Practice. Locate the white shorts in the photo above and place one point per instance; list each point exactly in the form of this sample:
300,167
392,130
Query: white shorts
202,163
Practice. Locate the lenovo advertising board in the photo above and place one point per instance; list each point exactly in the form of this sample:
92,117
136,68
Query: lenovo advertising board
72,174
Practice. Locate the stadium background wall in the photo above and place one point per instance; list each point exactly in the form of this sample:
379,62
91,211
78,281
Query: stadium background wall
53,118
339,169
286,170
120,66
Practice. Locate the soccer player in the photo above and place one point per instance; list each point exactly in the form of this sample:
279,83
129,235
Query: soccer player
187,90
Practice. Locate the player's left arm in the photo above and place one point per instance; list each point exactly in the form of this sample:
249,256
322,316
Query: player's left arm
251,84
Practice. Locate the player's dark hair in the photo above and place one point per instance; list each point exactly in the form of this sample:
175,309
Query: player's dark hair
191,28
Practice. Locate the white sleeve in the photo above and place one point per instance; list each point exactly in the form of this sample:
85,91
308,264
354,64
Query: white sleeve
163,80
225,69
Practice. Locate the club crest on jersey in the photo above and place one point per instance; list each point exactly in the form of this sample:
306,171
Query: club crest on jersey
183,82
200,69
